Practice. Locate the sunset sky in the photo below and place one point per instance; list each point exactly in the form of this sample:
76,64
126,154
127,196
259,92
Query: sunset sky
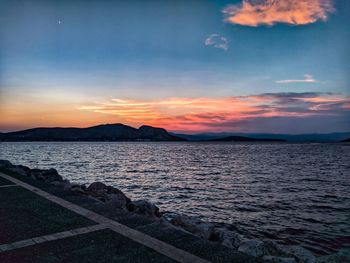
279,66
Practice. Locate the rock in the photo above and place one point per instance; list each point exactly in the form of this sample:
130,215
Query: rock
188,223
97,187
341,256
274,259
255,248
5,164
78,188
118,200
20,169
198,227
275,249
232,239
301,254
65,185
144,207
214,234
52,175
108,194
270,250
48,176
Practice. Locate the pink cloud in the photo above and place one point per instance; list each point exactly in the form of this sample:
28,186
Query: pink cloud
206,114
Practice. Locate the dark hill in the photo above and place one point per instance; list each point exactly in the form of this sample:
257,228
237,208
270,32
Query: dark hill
105,132
346,140
245,139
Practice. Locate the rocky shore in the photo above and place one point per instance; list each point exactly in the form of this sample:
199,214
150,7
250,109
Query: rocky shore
263,250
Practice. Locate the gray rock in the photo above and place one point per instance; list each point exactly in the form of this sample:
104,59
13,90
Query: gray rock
301,254
60,184
78,188
198,227
255,248
144,207
232,239
274,259
275,249
108,194
341,256
97,187
117,200
20,169
5,164
190,224
47,176
214,234
67,186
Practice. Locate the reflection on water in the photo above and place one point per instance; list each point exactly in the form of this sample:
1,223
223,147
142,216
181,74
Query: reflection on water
297,193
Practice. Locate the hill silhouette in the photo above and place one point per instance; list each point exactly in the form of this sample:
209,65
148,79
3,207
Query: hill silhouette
105,132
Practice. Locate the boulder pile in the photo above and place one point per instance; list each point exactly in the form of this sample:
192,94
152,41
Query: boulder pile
265,250
108,195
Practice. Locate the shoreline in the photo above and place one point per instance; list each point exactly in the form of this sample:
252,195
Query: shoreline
267,251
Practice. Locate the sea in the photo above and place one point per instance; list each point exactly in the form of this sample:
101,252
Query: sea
293,193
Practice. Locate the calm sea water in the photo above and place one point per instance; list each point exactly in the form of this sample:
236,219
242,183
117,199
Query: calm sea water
295,193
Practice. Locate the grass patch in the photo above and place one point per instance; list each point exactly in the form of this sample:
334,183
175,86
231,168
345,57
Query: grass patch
100,246
3,181
24,215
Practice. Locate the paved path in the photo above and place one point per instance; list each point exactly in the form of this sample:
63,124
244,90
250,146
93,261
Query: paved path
137,236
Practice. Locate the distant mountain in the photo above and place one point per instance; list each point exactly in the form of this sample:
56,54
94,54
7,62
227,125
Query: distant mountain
244,139
197,137
121,132
328,137
105,132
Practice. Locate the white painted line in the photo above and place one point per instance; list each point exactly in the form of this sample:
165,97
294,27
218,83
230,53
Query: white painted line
137,236
8,185
47,238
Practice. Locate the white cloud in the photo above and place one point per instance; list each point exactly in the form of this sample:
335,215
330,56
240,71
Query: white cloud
217,41
307,79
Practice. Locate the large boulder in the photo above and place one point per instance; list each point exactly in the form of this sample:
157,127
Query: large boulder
341,256
108,194
255,248
48,176
144,207
5,164
20,169
198,227
231,239
274,259
301,254
79,188
65,184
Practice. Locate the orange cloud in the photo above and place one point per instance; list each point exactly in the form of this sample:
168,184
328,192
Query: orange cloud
219,114
235,113
270,12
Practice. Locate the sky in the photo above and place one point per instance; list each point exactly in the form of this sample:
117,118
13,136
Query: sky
276,66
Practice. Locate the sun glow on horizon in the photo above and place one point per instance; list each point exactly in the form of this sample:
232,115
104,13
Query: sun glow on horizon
179,114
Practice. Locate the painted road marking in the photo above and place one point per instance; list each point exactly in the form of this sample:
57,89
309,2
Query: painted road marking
137,236
46,238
